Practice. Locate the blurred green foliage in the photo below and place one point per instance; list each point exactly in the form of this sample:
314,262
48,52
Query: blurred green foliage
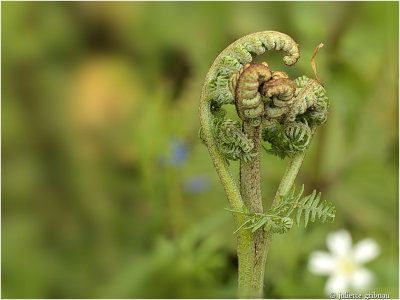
106,189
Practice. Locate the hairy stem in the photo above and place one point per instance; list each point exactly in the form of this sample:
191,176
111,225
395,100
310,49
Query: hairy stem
289,177
250,182
252,254
244,237
227,180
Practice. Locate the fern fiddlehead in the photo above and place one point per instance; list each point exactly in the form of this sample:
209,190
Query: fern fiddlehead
287,139
307,109
216,92
273,108
281,89
244,85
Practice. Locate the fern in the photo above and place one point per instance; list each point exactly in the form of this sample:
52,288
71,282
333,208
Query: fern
279,218
255,221
310,205
282,112
287,139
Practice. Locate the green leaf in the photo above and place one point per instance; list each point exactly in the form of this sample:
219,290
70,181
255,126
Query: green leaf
259,224
278,219
242,225
310,205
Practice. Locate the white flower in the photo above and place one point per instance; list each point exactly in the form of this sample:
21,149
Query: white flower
344,263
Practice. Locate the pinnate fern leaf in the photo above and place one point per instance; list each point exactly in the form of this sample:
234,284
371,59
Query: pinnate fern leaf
311,206
279,218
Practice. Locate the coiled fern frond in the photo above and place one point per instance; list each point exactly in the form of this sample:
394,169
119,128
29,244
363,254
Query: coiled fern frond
232,143
311,102
287,139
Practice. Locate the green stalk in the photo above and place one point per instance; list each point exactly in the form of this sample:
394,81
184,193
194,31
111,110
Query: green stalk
252,252
289,177
251,267
244,237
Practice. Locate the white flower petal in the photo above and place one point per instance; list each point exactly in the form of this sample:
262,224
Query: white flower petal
336,284
321,263
361,280
339,242
365,251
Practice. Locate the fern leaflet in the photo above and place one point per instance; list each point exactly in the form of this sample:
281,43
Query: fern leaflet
279,218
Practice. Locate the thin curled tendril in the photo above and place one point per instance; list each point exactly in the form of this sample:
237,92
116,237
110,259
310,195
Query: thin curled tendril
313,62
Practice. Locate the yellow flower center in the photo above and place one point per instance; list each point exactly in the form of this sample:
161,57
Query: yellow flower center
347,266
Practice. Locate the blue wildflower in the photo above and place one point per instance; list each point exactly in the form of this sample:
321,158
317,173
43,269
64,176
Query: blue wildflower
176,154
196,185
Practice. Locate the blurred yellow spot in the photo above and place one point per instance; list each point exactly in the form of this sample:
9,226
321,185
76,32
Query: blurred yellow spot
104,93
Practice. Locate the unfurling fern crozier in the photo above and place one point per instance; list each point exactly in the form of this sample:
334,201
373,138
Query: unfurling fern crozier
273,108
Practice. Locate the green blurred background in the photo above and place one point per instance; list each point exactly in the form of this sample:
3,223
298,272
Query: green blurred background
106,189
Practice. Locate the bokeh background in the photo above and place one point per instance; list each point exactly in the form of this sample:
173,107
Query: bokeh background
107,190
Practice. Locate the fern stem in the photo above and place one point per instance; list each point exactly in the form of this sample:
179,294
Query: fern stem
289,177
250,181
245,250
252,255
227,180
